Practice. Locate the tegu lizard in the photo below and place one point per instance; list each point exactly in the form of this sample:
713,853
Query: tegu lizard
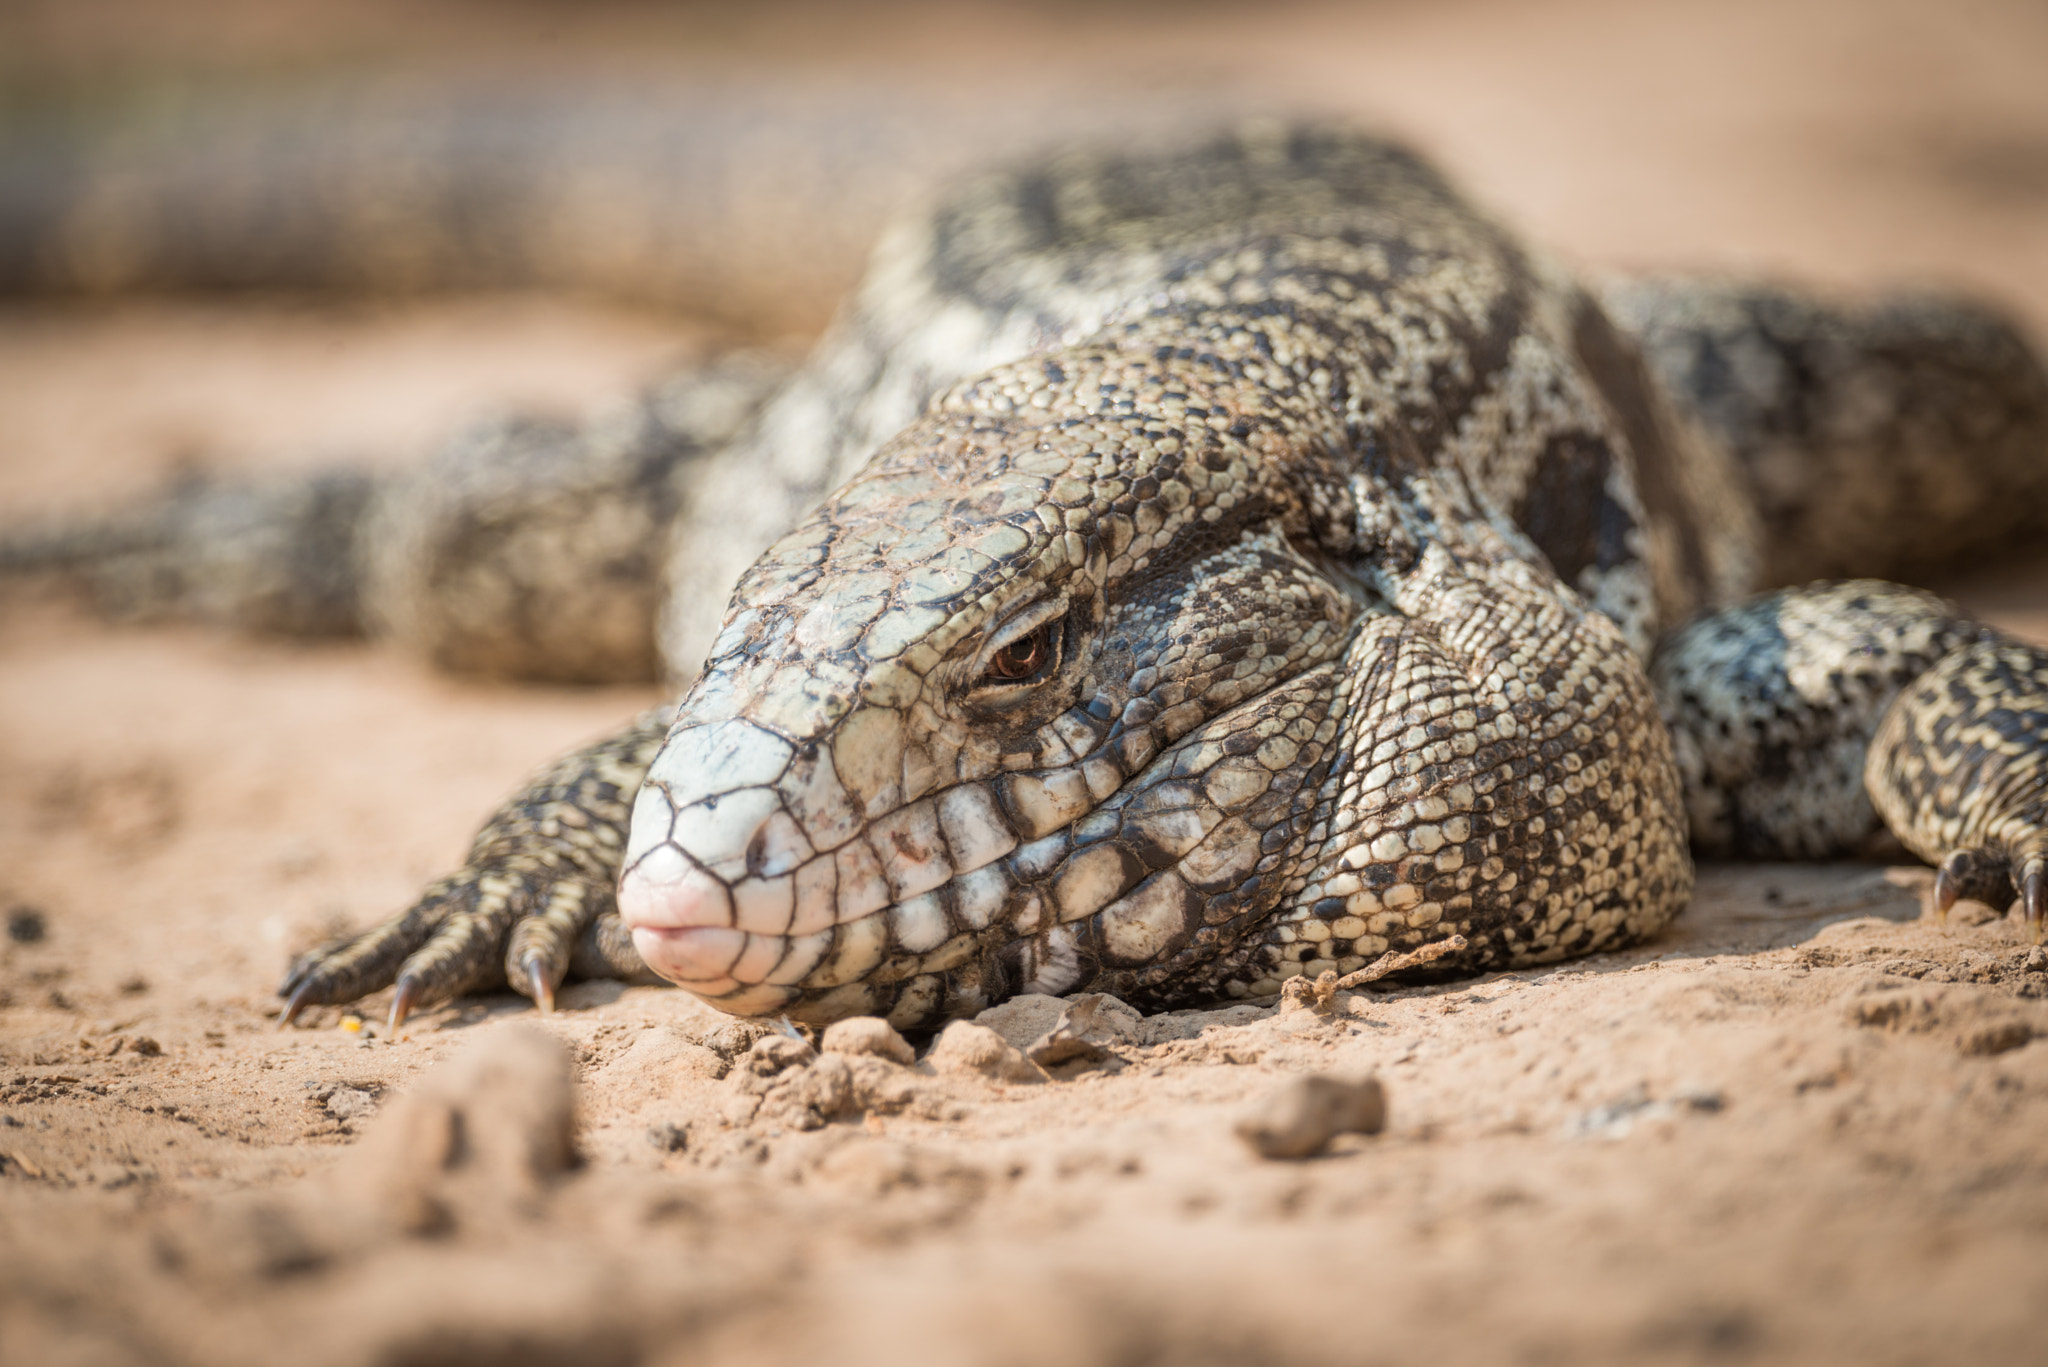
1244,558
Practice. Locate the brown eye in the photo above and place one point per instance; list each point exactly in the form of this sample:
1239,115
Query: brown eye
1020,659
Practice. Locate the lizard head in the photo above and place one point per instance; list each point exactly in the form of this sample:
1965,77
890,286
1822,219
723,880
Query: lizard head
1011,711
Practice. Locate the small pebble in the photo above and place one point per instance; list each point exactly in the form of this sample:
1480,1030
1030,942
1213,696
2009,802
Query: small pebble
1302,1116
774,1054
25,925
1084,1031
965,1047
350,1103
731,1039
1023,1018
867,1035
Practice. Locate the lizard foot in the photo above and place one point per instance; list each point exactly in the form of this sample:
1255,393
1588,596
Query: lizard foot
1959,770
1991,876
533,904
495,924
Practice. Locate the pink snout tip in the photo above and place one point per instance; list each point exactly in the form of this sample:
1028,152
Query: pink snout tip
696,957
682,926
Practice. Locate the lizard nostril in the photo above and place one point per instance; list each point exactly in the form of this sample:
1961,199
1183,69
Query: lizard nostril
775,846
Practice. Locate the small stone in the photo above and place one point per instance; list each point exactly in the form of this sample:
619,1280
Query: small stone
869,1035
965,1047
25,925
1023,1018
1618,1118
810,1097
881,1087
2037,960
730,1039
773,1054
1706,1100
144,1046
1084,1031
669,1137
1304,993
1301,1117
350,1103
1053,1049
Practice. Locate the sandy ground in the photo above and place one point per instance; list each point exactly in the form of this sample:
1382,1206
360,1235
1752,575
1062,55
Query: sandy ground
1801,1127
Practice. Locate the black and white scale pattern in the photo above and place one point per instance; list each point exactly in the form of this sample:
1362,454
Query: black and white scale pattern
1244,560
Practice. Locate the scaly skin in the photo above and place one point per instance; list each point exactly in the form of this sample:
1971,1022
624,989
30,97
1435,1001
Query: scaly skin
1960,770
1290,712
1266,585
535,895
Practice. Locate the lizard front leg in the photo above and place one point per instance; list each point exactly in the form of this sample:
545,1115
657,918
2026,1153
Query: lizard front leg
1808,720
533,901
1959,771
1772,705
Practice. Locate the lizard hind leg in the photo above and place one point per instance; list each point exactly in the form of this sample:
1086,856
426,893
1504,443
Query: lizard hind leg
1959,771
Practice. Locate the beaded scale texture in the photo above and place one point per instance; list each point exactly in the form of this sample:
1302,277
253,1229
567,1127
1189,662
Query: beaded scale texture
1224,561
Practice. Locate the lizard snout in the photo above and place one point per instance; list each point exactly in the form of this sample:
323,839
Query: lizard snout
711,895
681,924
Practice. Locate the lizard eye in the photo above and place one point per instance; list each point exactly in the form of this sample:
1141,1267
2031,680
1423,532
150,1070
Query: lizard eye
1023,659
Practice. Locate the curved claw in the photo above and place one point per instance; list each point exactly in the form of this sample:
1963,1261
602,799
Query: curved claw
544,941
301,998
408,995
2034,897
539,988
1948,884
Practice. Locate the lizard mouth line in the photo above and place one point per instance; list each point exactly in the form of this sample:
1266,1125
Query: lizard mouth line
691,954
713,939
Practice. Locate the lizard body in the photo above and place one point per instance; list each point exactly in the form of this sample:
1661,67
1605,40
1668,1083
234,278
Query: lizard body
1218,564
1261,566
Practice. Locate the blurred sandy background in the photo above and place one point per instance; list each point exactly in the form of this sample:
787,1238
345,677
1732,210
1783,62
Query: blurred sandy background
182,808
1840,141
